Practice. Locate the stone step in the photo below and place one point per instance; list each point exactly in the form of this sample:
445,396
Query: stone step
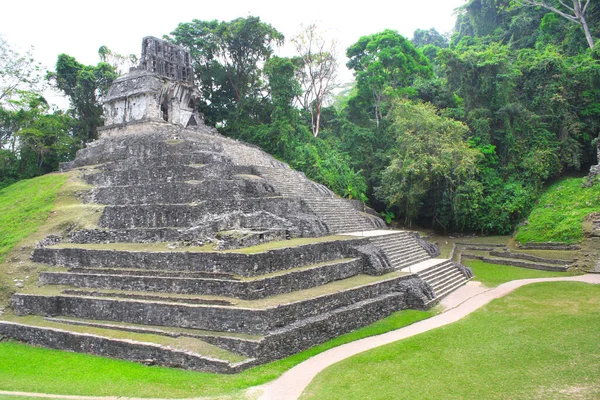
247,345
167,160
182,192
318,329
404,251
251,261
441,283
148,347
442,292
248,289
150,273
259,211
191,235
243,316
443,278
434,271
166,174
390,239
405,263
400,241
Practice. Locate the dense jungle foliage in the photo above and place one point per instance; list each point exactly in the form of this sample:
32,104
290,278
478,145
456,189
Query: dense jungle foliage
459,132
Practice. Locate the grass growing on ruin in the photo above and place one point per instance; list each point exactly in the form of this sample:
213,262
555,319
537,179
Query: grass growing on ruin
32,369
24,206
492,275
540,342
559,213
29,211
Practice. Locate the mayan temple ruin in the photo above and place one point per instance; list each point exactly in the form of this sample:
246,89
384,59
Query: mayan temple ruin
209,254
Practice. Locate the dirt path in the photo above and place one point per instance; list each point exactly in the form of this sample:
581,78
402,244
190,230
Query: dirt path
460,304
290,385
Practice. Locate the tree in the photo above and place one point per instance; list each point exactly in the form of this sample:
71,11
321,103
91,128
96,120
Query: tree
575,14
84,85
423,37
431,160
227,58
318,73
385,65
18,72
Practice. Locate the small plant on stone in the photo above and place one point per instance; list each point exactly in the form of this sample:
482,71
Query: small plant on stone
388,216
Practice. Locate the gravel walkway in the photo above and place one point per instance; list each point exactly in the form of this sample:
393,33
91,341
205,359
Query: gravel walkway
290,385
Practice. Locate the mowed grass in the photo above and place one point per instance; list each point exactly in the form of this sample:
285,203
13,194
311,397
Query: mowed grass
24,206
33,369
492,275
559,213
540,342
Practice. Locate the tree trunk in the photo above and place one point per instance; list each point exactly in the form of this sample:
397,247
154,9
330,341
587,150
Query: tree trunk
318,123
588,35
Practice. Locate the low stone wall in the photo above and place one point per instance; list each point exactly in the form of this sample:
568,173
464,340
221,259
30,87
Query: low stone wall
515,263
549,246
215,318
508,254
233,263
318,330
115,348
248,290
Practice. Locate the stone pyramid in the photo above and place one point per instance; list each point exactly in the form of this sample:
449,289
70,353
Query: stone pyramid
209,253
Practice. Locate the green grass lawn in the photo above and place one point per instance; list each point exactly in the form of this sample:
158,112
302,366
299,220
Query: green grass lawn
492,275
32,369
559,213
540,342
24,206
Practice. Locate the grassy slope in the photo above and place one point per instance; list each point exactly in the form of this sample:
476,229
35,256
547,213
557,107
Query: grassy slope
24,206
541,342
559,213
29,211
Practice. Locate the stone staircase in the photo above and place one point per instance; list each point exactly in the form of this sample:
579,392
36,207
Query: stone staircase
445,277
402,249
406,253
338,214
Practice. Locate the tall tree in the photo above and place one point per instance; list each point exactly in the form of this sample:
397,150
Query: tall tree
575,14
431,160
84,85
228,59
385,65
318,73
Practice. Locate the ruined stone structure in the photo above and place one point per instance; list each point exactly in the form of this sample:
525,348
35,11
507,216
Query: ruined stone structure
210,254
161,88
594,174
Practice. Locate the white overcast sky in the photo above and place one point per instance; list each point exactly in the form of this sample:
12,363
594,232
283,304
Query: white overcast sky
79,28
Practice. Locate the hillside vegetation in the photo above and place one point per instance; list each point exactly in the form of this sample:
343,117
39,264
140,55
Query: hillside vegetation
559,213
